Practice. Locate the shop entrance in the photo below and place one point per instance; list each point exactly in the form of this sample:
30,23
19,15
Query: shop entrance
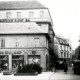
17,60
4,63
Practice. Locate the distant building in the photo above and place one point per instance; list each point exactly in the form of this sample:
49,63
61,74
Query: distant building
26,34
62,48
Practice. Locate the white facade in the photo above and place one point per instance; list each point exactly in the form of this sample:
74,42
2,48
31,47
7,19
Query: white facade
25,31
62,48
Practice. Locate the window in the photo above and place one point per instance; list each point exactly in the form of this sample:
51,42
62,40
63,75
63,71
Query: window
18,14
67,55
70,55
67,48
3,43
17,42
31,14
61,47
36,42
61,54
41,14
8,15
64,55
64,47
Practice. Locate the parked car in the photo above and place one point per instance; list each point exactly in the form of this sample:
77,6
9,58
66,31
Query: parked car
76,67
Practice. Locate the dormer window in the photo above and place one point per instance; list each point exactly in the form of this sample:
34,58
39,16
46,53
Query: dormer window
31,14
41,14
18,14
8,15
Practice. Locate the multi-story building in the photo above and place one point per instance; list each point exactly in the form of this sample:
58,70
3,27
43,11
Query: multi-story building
62,47
26,34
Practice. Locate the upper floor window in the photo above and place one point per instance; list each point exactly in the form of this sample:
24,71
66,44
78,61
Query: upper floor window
18,14
61,54
64,55
61,47
31,14
70,55
67,55
41,14
2,42
67,48
36,42
64,47
8,15
17,42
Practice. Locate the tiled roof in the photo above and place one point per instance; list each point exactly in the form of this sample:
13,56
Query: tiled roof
21,5
62,40
20,28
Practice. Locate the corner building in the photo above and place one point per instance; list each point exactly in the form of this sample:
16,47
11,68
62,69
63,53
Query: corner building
26,34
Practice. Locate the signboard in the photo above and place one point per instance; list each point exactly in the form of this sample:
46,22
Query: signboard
14,20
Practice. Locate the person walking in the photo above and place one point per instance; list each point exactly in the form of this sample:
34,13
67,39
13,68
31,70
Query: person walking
65,67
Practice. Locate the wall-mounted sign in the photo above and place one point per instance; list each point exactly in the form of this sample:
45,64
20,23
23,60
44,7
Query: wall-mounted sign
14,20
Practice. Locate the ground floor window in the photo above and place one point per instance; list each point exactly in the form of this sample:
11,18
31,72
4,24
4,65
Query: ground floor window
17,61
4,63
32,59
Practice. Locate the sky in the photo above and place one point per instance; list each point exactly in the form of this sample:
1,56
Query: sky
66,18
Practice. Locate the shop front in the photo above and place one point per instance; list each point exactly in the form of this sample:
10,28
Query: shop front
17,61
11,59
4,63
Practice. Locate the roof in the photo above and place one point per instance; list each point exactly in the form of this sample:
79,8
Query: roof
20,28
55,41
62,40
10,5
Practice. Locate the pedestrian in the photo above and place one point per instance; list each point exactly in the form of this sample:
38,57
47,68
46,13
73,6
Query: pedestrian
65,67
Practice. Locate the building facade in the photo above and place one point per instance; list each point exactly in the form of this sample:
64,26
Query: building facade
26,34
62,48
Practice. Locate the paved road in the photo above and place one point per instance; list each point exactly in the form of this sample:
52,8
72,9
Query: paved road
60,75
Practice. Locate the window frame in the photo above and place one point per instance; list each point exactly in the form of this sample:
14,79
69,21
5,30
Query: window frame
2,43
36,42
41,14
17,42
18,15
31,15
8,15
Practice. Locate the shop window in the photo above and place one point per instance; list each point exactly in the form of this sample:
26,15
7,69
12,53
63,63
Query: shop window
41,14
18,14
31,14
3,43
32,59
17,42
36,42
8,15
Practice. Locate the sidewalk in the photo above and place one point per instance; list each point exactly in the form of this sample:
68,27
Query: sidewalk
42,76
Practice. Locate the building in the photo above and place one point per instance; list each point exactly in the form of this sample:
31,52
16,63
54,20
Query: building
62,48
26,34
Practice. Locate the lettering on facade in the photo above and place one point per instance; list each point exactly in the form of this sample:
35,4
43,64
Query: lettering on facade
1,53
14,20
33,52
